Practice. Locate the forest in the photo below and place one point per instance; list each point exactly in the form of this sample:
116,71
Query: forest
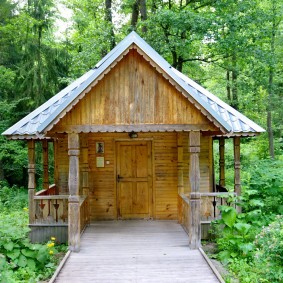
231,47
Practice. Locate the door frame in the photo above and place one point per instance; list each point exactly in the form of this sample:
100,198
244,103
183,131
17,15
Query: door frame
152,177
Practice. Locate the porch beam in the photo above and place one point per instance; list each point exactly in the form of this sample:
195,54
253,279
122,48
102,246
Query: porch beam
45,164
31,180
237,166
74,202
195,197
222,162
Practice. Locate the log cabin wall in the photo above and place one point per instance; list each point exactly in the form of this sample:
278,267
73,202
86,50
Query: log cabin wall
102,181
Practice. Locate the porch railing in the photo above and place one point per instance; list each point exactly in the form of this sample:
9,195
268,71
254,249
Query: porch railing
210,203
51,209
184,211
209,206
84,213
50,191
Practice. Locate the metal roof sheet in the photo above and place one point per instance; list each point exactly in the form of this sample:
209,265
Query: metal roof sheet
37,121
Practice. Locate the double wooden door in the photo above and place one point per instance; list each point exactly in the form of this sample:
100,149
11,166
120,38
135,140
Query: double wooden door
134,179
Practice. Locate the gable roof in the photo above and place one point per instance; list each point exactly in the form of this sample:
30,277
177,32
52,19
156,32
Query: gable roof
229,120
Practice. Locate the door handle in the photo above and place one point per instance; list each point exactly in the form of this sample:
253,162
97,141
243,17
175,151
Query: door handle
119,178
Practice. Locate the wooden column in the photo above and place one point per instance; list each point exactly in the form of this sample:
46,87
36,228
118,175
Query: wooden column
45,164
85,169
237,166
31,180
74,199
222,162
180,169
85,166
195,224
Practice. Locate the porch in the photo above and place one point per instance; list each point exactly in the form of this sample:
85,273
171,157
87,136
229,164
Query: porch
175,182
136,251
51,214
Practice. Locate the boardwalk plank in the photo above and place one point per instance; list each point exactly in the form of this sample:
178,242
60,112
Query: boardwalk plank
136,252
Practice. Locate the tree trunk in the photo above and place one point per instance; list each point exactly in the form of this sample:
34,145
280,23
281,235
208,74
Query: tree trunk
39,99
108,18
270,134
235,102
135,14
143,12
228,86
271,87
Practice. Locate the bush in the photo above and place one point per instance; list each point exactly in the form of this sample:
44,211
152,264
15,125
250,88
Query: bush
269,253
251,243
13,198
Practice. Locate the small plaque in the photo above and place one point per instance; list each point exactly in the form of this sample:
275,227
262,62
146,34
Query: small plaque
100,147
100,161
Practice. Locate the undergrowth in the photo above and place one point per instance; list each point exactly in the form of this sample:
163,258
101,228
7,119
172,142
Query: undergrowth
20,260
250,243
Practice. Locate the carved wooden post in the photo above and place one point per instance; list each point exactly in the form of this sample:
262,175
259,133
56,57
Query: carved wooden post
180,174
222,162
195,225
45,164
74,200
237,166
85,169
31,180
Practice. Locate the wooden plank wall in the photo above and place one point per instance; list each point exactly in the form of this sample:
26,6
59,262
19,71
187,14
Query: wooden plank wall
61,170
102,181
133,93
166,178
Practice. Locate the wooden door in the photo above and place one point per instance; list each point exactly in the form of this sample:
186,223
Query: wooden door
134,180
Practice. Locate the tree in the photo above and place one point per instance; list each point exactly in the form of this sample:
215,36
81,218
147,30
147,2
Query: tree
94,33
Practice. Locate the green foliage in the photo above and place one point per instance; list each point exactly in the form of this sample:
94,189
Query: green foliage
251,242
20,260
269,251
13,198
266,265
13,154
229,215
265,188
235,240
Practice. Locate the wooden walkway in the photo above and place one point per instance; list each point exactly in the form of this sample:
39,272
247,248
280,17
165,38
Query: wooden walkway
136,251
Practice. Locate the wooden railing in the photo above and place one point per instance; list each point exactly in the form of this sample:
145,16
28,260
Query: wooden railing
184,211
84,213
51,209
49,192
51,216
209,206
210,203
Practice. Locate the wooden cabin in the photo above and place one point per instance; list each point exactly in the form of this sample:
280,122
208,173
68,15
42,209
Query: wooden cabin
132,139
